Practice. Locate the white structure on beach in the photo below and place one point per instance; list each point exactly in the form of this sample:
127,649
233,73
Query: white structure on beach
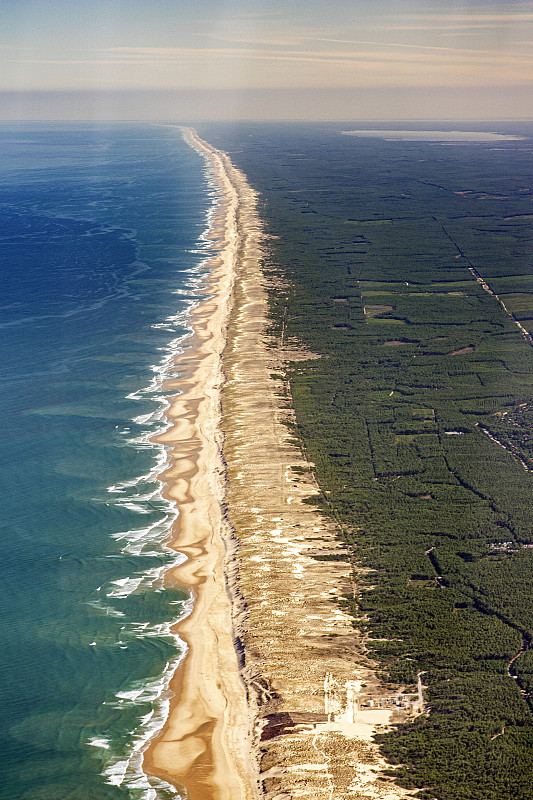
353,689
341,702
346,704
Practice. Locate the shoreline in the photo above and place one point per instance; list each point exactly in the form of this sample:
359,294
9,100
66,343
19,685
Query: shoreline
206,742
276,697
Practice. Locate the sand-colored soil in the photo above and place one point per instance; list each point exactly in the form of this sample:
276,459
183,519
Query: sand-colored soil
206,743
249,717
292,630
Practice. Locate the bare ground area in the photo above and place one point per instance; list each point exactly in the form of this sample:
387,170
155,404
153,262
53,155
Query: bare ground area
292,632
275,697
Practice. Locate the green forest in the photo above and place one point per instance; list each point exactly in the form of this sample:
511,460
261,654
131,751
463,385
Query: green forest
406,266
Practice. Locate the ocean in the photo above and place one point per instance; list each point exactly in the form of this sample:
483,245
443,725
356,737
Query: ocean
102,254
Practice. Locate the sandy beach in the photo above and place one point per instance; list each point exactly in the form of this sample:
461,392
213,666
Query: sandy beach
276,697
206,744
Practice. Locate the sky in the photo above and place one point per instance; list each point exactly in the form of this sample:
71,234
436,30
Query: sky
266,59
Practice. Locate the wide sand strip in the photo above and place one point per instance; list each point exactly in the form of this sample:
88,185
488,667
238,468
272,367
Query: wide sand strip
296,639
293,716
206,743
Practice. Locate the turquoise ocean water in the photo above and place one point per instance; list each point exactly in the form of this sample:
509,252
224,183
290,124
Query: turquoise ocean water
101,255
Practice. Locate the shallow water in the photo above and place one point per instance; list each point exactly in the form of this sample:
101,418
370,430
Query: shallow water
101,255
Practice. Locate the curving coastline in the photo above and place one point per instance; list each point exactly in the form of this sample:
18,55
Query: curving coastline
275,720
206,742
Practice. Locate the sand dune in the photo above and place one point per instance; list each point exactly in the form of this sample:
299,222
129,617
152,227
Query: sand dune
249,717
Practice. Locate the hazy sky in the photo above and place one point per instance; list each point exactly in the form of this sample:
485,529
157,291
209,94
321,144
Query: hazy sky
266,58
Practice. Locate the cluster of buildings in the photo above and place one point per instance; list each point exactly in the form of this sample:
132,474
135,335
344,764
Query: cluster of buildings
350,703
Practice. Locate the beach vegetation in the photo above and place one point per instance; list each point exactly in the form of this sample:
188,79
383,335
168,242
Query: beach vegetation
418,420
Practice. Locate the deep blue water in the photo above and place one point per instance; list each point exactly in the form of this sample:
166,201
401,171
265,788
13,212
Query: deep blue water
101,252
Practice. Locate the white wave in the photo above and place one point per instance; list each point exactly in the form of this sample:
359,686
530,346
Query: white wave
134,507
124,587
141,542
143,504
120,487
133,696
146,630
155,494
105,743
144,418
150,540
149,579
116,772
128,771
161,461
108,610
140,533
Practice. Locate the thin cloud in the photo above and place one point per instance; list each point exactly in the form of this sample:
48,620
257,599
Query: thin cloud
500,17
443,55
416,56
59,61
292,41
458,27
443,65
405,45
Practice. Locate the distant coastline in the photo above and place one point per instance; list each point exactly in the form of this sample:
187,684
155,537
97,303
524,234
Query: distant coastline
285,711
439,137
205,745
